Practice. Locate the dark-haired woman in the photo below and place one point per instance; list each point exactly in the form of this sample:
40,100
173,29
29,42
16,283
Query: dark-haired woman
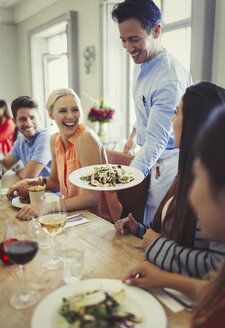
174,243
207,196
7,129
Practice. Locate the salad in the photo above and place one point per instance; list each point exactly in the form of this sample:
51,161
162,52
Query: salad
97,309
108,175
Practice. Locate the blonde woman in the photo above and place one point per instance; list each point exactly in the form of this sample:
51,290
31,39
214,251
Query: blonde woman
73,147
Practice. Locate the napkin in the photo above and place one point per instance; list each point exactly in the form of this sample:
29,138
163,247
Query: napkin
172,298
76,222
4,191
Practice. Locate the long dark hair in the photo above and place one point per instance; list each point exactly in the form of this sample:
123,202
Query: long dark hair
180,221
7,112
210,150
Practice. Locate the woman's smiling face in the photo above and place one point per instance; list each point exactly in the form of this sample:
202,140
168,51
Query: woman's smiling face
66,114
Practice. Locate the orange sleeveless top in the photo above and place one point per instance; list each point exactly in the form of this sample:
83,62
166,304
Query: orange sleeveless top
68,161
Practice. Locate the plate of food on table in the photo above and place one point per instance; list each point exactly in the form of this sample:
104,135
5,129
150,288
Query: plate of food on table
99,303
106,177
22,197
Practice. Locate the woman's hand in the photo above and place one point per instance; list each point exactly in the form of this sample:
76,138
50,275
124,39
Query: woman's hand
29,211
127,224
149,237
147,275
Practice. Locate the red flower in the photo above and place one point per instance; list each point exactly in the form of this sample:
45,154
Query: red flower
102,114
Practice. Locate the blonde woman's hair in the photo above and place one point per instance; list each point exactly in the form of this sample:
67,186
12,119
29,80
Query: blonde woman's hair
57,93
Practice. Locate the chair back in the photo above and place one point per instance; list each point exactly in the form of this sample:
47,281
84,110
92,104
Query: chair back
132,199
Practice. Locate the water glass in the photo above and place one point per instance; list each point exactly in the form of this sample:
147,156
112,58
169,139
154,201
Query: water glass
42,238
72,264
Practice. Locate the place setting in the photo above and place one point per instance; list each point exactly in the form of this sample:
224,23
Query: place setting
89,300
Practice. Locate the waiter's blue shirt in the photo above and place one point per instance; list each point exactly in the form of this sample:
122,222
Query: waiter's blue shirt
158,86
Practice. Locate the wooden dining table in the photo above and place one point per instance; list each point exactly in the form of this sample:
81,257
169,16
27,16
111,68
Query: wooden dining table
107,255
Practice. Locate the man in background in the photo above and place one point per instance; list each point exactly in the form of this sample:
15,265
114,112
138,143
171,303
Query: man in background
159,82
32,146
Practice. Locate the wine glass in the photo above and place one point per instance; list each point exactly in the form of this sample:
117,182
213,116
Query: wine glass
20,248
53,219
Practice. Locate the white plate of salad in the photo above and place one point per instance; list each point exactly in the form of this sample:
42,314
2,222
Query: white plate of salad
106,177
136,303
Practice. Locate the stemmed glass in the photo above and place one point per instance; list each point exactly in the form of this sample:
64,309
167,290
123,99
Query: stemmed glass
20,248
53,219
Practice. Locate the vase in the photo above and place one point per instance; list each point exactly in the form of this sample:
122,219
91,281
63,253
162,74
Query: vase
101,131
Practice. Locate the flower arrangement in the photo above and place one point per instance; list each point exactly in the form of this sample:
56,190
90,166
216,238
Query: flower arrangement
103,114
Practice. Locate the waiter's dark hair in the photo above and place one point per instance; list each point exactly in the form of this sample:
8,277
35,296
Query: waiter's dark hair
145,11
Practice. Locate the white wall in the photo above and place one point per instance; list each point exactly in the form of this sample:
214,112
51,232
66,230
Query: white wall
8,63
218,67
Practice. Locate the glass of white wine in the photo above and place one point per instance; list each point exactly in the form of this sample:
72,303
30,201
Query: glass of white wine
53,219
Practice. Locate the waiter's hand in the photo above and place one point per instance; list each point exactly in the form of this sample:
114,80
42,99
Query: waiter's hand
131,143
129,147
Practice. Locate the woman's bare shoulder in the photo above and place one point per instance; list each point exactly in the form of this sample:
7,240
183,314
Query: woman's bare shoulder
88,135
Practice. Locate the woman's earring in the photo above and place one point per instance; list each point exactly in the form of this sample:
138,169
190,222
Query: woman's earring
51,123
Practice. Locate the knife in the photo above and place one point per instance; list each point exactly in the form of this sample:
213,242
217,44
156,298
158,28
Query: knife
188,306
74,217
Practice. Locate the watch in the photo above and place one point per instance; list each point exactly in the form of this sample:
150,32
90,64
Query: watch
43,180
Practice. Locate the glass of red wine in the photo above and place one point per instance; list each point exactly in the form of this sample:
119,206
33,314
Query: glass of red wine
20,247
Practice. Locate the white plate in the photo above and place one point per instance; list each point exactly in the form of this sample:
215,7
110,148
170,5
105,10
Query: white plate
137,301
50,197
76,175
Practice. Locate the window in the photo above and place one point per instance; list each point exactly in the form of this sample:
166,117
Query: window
53,51
176,29
56,62
115,76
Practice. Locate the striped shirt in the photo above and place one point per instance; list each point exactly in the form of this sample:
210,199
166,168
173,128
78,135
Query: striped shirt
194,262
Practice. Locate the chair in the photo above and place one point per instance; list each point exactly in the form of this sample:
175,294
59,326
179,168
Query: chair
132,199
